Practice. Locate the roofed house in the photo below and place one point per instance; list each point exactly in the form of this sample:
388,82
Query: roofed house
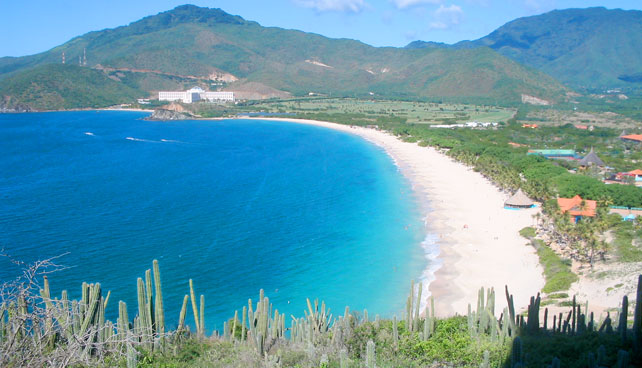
637,173
577,207
632,138
591,160
518,200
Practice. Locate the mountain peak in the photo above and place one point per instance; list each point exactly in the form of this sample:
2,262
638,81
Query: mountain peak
188,14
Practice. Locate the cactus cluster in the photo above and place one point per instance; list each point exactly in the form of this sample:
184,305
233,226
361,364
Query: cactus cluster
261,326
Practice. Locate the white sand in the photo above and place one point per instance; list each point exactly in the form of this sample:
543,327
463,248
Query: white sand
478,239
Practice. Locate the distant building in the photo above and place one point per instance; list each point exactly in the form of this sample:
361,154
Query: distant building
591,160
632,177
577,207
557,154
195,94
632,138
532,126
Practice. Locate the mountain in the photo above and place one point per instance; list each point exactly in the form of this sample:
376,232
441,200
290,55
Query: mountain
585,48
190,45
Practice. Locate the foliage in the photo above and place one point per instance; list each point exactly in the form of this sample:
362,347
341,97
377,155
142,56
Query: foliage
527,232
58,86
627,242
557,271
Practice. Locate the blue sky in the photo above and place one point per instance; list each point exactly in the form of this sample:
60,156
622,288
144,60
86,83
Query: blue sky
38,25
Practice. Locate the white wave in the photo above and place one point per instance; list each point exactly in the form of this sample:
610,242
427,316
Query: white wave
90,134
140,140
431,252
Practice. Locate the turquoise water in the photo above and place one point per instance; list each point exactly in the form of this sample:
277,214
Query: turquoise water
238,205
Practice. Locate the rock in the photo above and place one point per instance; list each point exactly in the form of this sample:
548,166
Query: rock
15,109
164,115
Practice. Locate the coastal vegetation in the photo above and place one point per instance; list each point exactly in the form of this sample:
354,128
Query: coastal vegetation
38,329
58,86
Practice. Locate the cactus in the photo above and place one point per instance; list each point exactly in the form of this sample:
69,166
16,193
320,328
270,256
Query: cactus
159,312
637,321
201,324
343,358
601,356
243,324
622,359
194,309
395,332
370,354
486,362
181,317
623,319
517,354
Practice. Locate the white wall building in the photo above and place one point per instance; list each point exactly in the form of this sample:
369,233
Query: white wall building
195,94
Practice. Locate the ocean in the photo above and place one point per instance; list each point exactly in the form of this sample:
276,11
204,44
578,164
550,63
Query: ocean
236,205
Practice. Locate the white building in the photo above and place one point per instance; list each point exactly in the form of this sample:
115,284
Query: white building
195,94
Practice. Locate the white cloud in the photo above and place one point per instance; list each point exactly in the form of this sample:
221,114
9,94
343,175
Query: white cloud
403,4
346,6
446,16
438,25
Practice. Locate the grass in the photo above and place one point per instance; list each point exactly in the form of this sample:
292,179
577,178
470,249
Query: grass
411,112
527,232
557,271
625,237
558,296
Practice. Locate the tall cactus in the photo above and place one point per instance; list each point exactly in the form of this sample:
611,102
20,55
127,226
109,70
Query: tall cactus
637,321
194,309
159,313
371,359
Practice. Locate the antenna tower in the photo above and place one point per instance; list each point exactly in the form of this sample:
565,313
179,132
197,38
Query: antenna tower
63,57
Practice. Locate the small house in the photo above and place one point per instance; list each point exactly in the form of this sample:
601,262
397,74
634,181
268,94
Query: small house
577,207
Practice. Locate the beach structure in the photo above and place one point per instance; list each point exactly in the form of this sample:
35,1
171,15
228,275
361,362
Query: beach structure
577,207
637,138
519,200
555,154
195,94
591,159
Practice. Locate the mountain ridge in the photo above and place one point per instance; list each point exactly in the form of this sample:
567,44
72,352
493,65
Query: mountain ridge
586,48
215,46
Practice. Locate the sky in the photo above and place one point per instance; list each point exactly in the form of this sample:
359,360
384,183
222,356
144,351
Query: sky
30,27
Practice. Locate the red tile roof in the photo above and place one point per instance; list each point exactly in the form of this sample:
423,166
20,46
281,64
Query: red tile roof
632,137
635,172
575,208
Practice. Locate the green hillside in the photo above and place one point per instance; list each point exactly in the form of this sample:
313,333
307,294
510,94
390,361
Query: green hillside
586,48
196,44
57,86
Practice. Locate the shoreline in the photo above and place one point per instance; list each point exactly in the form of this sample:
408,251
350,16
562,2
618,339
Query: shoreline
478,240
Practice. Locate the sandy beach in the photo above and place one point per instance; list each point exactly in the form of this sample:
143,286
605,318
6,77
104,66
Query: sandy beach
479,243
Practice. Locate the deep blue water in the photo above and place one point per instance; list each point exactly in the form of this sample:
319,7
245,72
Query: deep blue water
237,206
